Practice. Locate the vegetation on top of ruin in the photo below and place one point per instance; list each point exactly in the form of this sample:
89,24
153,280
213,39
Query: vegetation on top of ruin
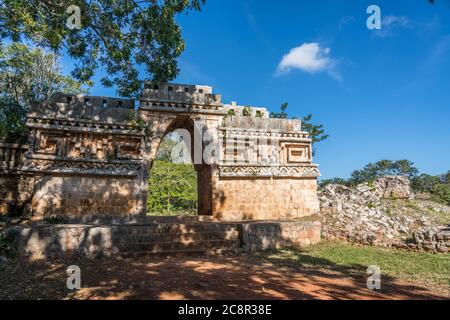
316,131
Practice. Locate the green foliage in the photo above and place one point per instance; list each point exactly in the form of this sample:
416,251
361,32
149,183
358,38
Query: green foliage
120,36
437,186
28,75
165,148
372,171
136,122
172,189
324,182
12,121
376,170
246,112
442,191
282,114
446,177
371,205
231,112
259,114
425,183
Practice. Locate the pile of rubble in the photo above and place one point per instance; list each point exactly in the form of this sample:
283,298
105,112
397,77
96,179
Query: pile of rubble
382,213
429,239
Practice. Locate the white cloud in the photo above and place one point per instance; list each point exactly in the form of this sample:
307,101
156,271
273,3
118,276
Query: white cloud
389,24
309,57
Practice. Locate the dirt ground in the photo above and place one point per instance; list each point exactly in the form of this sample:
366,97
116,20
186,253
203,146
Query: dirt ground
168,278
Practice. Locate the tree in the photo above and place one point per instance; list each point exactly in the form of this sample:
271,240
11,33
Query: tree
119,35
442,192
282,114
172,189
12,121
372,171
446,177
26,76
425,183
325,182
165,148
316,132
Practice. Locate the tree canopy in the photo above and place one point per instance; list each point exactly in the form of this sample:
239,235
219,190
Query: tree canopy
28,75
381,168
119,36
316,132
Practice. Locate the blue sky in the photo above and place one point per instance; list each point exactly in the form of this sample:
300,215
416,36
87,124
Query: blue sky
379,94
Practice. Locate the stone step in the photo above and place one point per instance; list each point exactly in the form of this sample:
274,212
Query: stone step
43,241
155,247
174,228
174,236
176,253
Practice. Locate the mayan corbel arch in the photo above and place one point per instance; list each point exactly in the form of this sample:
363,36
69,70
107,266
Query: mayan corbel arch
90,156
166,107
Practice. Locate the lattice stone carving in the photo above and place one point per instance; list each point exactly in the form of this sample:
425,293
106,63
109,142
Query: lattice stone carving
269,171
122,168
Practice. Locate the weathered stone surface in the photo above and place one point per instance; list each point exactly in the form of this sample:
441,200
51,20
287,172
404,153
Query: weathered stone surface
265,199
259,236
379,214
394,187
93,241
91,156
435,239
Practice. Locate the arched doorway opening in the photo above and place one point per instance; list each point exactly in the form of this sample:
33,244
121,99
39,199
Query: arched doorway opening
177,186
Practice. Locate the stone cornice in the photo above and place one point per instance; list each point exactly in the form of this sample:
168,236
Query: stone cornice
177,107
258,133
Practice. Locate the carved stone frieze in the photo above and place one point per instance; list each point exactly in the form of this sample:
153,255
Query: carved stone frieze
269,171
92,167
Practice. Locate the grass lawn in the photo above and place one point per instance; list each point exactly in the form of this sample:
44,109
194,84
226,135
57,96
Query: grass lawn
432,270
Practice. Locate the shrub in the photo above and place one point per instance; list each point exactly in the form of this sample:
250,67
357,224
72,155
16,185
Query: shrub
247,112
231,112
172,189
442,192
425,183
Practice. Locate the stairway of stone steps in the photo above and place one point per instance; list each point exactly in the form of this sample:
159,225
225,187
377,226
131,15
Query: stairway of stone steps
94,240
176,238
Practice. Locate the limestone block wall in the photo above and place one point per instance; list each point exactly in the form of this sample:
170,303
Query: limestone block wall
86,157
265,171
257,236
265,199
79,197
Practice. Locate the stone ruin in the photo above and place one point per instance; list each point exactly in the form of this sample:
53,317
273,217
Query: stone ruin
90,157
